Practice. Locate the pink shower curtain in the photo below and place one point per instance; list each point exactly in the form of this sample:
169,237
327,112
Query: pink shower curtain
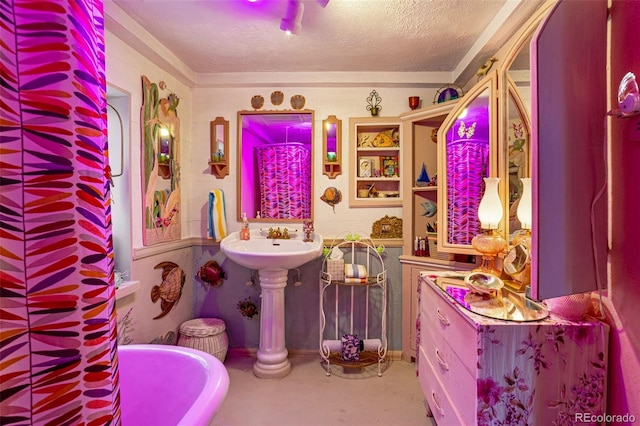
58,337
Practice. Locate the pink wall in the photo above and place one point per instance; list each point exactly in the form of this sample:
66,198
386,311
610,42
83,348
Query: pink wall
624,353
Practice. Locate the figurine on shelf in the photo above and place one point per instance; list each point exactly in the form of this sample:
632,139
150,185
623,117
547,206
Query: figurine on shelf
307,228
423,178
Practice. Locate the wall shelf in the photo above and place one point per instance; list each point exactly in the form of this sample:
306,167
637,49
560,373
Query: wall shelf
331,169
219,169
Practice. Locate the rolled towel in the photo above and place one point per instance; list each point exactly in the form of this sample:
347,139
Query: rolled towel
353,270
356,280
217,216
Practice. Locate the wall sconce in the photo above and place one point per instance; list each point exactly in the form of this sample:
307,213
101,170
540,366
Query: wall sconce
292,21
219,146
331,146
491,242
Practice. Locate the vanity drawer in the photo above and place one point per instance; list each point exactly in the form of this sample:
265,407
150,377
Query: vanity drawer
446,323
436,396
454,376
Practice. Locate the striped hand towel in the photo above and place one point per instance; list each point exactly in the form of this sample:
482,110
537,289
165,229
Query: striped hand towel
355,271
217,215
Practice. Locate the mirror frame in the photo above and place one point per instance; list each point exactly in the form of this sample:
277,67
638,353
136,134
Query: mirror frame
239,208
331,167
219,165
489,82
507,90
161,218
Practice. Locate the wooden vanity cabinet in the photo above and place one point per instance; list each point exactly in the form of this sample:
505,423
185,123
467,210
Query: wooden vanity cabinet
479,370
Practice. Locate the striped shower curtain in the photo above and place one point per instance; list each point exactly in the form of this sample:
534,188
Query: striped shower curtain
284,172
58,329
467,165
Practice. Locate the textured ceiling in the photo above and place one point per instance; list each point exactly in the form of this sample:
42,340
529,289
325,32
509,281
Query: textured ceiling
229,36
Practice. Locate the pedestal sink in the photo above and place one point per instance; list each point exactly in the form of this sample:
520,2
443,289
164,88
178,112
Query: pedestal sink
272,258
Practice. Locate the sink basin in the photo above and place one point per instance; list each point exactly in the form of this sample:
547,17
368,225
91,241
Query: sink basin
261,252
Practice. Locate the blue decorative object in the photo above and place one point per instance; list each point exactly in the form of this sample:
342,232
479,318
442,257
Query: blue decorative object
448,93
423,178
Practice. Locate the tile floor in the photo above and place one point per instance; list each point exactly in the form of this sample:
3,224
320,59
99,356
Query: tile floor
307,397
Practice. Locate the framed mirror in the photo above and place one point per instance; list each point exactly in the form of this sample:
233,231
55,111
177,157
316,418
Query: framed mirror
467,154
160,164
514,126
219,134
331,146
275,165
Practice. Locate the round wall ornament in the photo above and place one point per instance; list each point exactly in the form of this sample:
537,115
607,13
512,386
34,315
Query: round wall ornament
257,101
277,97
297,102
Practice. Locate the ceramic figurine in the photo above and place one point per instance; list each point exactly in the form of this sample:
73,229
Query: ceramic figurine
211,273
423,178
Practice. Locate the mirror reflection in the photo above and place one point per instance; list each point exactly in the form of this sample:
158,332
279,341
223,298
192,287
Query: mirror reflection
275,165
467,159
518,155
518,129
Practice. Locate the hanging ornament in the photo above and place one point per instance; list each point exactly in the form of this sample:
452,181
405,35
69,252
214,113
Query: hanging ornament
373,103
211,273
332,196
170,290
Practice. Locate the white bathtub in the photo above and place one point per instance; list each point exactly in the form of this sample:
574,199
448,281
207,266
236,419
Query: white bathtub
164,385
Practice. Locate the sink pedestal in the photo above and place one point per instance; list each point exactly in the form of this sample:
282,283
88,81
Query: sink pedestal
272,355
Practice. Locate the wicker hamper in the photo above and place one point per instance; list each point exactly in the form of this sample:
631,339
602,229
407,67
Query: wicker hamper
205,334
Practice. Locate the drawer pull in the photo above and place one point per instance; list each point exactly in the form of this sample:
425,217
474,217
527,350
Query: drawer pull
442,363
442,318
436,404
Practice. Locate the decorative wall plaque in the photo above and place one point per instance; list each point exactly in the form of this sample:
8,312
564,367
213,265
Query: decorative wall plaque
387,227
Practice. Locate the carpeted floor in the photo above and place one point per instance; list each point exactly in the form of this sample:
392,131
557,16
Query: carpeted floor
307,397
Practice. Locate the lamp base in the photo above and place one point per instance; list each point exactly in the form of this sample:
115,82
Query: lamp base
489,244
488,266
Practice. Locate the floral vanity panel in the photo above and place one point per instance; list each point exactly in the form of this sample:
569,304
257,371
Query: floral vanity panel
475,369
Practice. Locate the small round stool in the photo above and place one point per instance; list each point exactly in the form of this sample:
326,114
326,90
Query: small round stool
205,334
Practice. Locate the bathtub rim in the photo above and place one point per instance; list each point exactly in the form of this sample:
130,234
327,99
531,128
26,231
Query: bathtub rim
215,389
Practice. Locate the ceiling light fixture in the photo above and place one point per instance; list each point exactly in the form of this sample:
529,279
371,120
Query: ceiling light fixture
292,21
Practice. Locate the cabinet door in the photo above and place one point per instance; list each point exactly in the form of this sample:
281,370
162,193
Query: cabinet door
468,153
